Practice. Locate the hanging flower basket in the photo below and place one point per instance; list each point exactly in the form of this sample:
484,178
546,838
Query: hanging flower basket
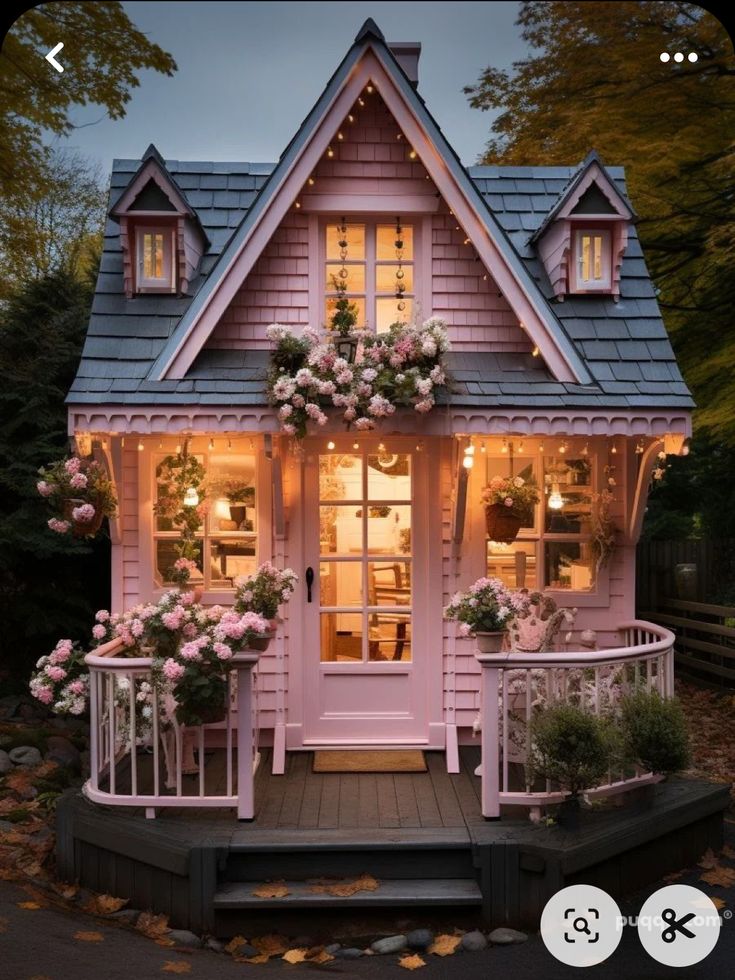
261,643
502,524
83,528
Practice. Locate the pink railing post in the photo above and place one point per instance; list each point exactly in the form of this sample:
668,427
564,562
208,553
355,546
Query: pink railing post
245,788
490,747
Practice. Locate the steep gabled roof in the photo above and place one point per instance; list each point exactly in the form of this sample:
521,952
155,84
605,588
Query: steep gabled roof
370,59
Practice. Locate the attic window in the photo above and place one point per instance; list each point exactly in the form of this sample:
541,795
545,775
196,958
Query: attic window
592,259
156,270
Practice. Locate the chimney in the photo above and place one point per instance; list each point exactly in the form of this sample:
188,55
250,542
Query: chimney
407,54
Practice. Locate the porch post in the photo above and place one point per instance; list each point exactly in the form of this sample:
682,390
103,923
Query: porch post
490,767
245,788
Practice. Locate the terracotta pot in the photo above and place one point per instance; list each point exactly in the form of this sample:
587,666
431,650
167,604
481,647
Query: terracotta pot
83,529
502,524
261,643
490,642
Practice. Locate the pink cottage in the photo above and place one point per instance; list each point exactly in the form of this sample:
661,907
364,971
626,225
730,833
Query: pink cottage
560,371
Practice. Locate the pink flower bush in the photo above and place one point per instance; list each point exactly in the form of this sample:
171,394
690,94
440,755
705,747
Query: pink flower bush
400,368
79,490
264,591
84,513
486,607
513,492
45,489
62,688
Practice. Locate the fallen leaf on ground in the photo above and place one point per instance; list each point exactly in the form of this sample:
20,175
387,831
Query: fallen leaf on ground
321,957
176,966
104,904
270,944
152,925
728,852
411,962
235,943
66,891
31,906
297,955
345,888
260,958
444,945
89,937
722,877
708,860
275,889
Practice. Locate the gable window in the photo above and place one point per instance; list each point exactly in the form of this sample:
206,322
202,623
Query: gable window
592,262
375,261
156,267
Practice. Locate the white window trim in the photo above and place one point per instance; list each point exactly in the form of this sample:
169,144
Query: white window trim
167,283
592,285
420,262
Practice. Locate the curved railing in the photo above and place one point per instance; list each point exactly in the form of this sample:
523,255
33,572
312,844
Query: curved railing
141,756
514,683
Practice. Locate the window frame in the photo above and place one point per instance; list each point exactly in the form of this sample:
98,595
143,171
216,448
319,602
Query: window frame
591,285
167,283
421,279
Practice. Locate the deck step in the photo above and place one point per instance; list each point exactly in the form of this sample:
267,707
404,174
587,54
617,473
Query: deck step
406,891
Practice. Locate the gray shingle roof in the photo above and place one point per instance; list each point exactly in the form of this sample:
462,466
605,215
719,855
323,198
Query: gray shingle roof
624,344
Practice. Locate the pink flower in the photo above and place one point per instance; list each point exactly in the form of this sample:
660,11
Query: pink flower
84,513
187,598
45,489
61,652
508,501
43,694
191,651
136,628
223,651
464,629
102,616
172,670
99,631
77,687
72,465
61,527
56,673
78,481
289,429
190,630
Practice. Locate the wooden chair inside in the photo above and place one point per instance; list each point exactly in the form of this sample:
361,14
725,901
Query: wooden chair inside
388,585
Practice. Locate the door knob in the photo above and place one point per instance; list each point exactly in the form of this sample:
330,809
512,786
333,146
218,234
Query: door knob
309,579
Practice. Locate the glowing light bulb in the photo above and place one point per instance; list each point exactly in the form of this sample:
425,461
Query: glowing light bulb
330,444
141,447
504,447
311,181
412,155
614,450
535,352
355,445
340,136
350,118
330,152
191,497
211,443
468,462
556,501
586,450
520,447
483,448
298,204
369,90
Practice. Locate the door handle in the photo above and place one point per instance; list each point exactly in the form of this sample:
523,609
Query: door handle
309,579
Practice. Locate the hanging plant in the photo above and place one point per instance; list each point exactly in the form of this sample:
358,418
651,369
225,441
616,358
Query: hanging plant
81,494
400,368
180,477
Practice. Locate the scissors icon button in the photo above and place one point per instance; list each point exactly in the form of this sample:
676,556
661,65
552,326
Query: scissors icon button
676,925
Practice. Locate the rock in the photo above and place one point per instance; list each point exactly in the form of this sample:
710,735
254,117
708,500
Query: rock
9,706
128,916
25,755
215,945
506,937
182,937
6,763
420,938
348,954
64,752
247,951
391,944
474,941
332,948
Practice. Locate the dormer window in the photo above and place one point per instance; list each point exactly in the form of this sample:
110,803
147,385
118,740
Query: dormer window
592,259
156,266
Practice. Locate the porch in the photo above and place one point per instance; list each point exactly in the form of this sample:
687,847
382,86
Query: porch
420,835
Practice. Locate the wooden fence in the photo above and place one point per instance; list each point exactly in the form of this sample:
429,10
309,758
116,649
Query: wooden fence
705,637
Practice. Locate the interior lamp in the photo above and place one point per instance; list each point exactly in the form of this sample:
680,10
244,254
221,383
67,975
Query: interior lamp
556,501
191,497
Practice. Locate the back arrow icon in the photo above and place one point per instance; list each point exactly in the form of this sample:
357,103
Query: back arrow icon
52,60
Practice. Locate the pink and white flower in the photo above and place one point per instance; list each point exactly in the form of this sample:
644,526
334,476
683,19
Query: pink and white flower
61,527
45,489
84,513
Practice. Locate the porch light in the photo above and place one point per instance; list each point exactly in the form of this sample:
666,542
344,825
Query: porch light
468,462
355,445
141,447
504,447
369,90
191,497
535,352
330,444
556,501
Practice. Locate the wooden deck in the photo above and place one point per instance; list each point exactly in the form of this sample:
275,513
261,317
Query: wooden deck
421,835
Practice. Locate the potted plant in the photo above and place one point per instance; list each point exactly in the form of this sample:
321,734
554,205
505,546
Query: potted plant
485,610
180,575
509,502
81,494
655,732
240,498
262,593
343,321
572,748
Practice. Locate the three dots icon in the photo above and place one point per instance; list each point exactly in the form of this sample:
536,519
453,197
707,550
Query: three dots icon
678,57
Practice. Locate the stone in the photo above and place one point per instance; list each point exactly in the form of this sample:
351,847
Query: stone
332,948
473,941
9,705
25,755
128,916
5,762
348,954
182,937
247,951
390,944
214,945
64,752
506,937
420,938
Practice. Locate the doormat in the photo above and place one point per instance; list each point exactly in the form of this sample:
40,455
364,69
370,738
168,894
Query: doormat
369,760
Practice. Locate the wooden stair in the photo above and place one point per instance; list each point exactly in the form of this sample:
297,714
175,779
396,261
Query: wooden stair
422,892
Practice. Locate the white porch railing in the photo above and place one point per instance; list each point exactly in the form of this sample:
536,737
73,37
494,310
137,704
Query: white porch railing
513,682
141,756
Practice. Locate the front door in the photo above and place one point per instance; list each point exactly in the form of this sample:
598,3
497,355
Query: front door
367,656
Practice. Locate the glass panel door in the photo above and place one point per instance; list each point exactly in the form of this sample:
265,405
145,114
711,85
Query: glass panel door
365,557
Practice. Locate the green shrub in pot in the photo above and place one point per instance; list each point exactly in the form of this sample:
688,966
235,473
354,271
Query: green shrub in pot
655,732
